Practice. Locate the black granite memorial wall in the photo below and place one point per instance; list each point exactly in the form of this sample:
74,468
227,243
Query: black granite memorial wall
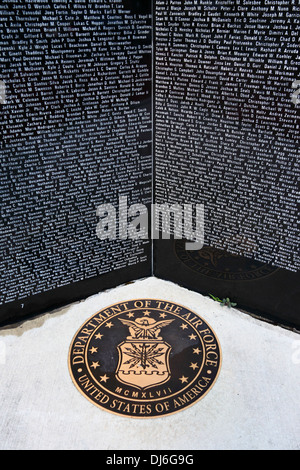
227,135
76,130
171,101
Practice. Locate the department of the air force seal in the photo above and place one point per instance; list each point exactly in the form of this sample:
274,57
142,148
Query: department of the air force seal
144,358
219,264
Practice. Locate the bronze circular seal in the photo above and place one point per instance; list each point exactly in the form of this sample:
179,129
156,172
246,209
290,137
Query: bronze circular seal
144,358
